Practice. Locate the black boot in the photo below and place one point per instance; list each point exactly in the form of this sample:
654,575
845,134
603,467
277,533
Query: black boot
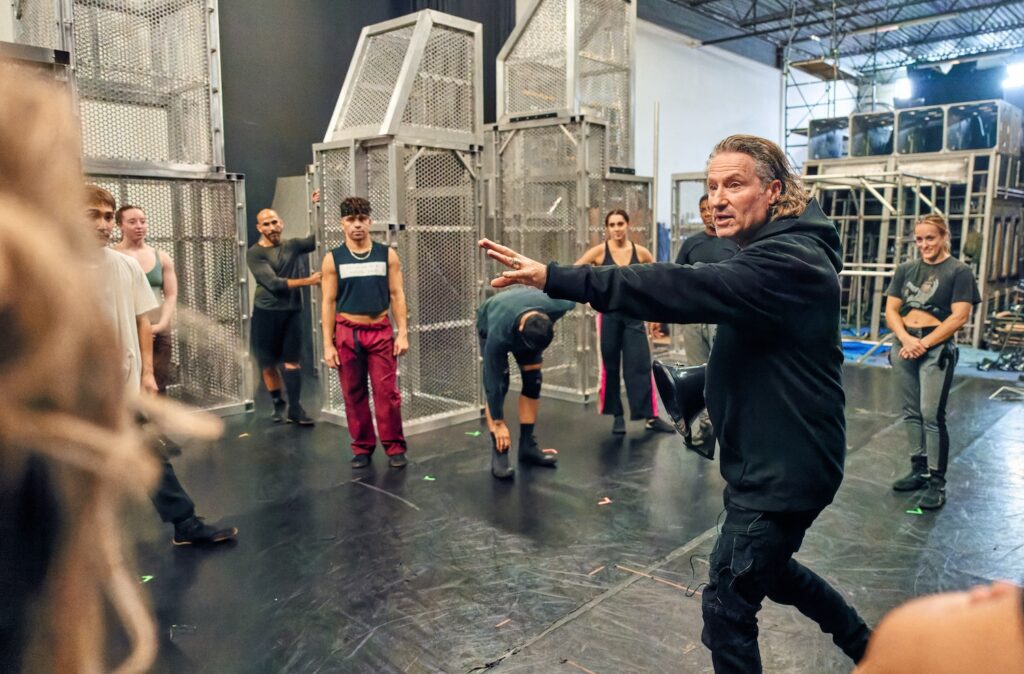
619,425
935,497
917,478
499,462
530,452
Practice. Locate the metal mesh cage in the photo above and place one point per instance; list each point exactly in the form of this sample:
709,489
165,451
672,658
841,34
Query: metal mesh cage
143,73
536,68
439,376
573,57
197,223
419,75
444,91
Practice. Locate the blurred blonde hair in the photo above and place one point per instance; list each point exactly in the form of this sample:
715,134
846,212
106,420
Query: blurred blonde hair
64,395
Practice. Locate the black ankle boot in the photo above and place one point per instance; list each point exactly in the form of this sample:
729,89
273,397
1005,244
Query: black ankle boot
916,479
530,452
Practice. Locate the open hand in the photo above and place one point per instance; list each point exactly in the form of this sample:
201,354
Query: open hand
523,270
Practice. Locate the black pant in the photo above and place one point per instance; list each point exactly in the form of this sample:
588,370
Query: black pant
753,559
170,499
624,348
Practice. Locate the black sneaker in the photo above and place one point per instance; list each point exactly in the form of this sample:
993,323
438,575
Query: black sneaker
935,497
279,407
659,425
194,531
297,415
398,460
529,452
619,425
360,460
499,465
916,479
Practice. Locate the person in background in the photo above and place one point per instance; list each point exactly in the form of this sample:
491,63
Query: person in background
623,340
162,277
277,313
928,300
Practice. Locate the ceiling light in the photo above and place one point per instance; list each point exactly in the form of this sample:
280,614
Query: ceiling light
1014,75
904,90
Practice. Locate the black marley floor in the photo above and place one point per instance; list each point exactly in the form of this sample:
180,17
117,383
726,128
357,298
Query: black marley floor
439,568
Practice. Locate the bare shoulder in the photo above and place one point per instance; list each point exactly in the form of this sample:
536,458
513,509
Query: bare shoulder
644,254
393,256
165,258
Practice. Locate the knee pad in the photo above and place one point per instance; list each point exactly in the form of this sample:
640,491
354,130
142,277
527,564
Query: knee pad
531,383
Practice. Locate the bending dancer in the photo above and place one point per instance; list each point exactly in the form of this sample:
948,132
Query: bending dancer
277,312
362,279
708,248
520,321
129,301
928,300
774,384
161,277
623,340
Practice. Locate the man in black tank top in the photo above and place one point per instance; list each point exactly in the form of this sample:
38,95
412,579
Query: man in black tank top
362,279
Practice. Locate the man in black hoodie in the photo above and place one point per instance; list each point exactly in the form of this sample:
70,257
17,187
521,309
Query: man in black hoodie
774,384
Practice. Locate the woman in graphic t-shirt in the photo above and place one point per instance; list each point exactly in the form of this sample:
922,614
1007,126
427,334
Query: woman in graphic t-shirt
928,300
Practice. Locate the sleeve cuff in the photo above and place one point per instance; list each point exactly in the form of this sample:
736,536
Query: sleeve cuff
565,283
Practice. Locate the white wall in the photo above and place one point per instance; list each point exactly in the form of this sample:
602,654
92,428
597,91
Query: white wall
6,21
705,93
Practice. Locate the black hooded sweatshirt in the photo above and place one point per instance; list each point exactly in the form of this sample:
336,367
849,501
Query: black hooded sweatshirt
774,380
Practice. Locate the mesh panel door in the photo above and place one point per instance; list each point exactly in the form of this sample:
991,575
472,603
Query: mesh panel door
195,222
605,61
535,68
143,75
375,79
443,96
440,375
38,24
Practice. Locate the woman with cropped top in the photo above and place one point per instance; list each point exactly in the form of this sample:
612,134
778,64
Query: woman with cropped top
928,300
160,273
623,340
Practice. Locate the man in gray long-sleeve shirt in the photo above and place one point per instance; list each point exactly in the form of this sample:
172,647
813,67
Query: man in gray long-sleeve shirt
277,312
519,321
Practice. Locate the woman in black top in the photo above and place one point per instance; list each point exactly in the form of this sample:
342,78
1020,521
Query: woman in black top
928,300
624,340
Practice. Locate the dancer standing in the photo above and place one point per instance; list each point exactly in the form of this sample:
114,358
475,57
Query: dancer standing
623,340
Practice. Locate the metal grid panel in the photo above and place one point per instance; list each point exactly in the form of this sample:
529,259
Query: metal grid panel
605,64
376,79
440,375
38,24
443,95
143,75
378,184
196,222
536,69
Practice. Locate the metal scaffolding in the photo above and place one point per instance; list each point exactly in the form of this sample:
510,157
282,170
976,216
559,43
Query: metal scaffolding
146,81
406,134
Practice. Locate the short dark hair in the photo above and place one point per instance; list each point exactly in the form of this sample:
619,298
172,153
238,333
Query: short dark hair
537,332
703,199
94,194
119,213
354,206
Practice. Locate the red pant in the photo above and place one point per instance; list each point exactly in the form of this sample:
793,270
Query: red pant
363,348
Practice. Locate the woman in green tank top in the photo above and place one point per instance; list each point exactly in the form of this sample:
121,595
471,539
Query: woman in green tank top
159,268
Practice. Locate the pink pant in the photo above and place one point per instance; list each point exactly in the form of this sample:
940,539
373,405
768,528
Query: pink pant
366,349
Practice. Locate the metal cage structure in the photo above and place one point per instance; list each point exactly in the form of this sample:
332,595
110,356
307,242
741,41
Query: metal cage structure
417,76
569,58
552,185
408,139
145,77
961,160
200,222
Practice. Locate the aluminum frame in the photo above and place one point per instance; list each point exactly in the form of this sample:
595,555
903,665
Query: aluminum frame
424,24
105,172
574,103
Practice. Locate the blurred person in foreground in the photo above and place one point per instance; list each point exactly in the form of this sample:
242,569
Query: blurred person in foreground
69,456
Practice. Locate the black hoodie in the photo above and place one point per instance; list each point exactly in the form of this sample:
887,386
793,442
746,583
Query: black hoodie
774,385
